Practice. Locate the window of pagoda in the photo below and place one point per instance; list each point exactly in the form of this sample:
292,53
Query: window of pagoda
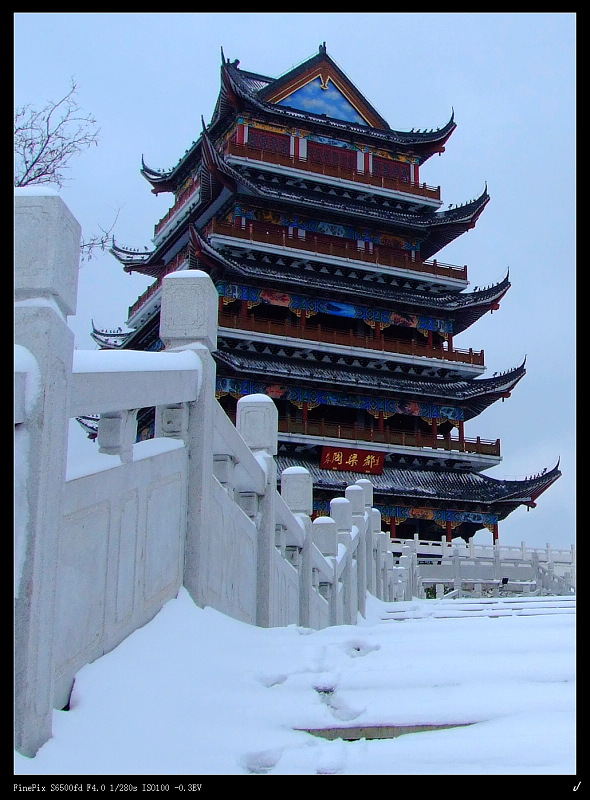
269,141
328,155
340,421
388,168
323,325
418,339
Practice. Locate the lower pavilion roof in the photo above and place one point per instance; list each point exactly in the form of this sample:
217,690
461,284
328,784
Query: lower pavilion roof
454,486
475,395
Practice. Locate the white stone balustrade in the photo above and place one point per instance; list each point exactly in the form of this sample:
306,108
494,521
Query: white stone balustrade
100,553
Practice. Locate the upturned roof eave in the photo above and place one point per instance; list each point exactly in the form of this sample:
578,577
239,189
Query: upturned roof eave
444,486
467,394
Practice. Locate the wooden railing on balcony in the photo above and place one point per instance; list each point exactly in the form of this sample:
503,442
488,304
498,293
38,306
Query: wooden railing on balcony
357,433
335,430
324,245
333,171
325,335
184,198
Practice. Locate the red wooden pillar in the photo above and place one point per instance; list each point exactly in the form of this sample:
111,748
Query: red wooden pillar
434,427
304,410
380,426
450,343
461,431
392,527
495,532
244,309
303,317
449,531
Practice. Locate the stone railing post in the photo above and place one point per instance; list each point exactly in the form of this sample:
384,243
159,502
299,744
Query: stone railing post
536,570
407,563
341,513
381,541
297,492
325,538
188,321
257,421
457,578
47,252
367,488
356,496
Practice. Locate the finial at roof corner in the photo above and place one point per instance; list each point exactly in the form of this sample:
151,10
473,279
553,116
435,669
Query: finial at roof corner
322,48
222,56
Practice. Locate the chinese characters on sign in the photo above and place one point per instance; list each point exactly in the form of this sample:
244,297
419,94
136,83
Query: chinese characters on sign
352,460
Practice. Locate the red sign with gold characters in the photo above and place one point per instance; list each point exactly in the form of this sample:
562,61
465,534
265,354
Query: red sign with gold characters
352,460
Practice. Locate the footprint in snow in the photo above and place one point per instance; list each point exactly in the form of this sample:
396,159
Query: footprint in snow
357,648
272,679
261,762
339,708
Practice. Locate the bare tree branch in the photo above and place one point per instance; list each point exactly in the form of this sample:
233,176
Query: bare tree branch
46,140
98,241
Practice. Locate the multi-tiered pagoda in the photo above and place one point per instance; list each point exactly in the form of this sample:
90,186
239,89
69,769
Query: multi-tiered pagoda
309,213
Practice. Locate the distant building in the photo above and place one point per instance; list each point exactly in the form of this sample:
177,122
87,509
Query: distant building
308,212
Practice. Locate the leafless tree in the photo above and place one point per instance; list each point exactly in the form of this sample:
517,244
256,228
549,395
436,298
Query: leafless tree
44,142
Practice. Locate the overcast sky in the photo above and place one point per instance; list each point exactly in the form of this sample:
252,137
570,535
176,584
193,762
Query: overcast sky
510,78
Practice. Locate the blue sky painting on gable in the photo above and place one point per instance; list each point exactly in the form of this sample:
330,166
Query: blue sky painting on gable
329,101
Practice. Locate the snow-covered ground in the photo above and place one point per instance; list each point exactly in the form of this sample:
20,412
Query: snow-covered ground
195,693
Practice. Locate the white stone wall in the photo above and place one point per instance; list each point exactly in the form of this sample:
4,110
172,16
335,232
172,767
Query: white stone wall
120,557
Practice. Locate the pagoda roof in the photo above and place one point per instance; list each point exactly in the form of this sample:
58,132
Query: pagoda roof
161,180
109,339
473,395
430,484
135,260
436,229
241,90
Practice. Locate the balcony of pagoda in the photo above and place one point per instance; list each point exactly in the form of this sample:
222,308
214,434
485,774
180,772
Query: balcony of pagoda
328,249
291,165
343,341
187,199
481,453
